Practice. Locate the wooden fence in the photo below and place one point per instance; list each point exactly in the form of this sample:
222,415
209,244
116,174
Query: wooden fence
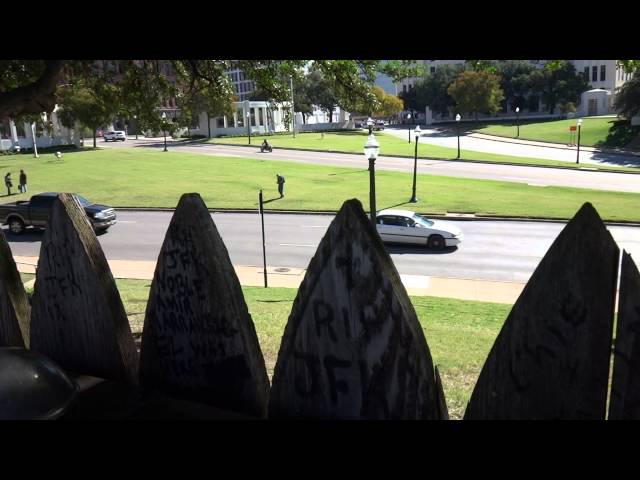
352,348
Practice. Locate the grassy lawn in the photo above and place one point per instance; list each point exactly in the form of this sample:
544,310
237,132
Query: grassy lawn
595,131
460,333
135,178
353,142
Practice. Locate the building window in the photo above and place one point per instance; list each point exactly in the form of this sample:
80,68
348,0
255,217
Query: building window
20,129
603,72
260,117
586,73
594,74
230,122
253,116
240,118
404,89
432,69
220,122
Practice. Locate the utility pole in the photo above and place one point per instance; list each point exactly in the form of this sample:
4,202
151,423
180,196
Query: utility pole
264,251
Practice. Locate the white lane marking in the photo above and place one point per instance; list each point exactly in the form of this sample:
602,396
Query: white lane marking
295,245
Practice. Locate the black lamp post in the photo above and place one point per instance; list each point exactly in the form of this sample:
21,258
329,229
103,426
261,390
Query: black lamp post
371,149
416,133
370,125
409,130
135,117
578,153
518,121
458,132
164,129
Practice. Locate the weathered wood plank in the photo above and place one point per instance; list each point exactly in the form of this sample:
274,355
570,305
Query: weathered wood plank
199,342
443,411
353,347
625,388
551,358
77,317
15,312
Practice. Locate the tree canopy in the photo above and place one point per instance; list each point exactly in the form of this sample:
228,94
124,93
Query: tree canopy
32,86
476,92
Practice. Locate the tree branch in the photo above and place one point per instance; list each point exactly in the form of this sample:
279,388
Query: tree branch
36,97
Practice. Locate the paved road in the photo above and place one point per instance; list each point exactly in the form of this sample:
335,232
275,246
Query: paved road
492,250
530,175
438,137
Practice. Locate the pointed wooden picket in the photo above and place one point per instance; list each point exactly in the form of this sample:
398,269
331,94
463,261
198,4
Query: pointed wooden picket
551,358
77,317
353,347
199,342
15,311
443,411
625,388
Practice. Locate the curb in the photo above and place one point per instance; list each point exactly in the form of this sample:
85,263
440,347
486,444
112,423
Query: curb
562,167
498,138
468,217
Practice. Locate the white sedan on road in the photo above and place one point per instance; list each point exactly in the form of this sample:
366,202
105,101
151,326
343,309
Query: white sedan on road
403,226
115,135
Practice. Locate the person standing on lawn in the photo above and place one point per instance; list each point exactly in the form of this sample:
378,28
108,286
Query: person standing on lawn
280,180
23,182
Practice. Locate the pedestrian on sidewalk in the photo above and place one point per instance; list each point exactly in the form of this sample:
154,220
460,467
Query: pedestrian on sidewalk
23,182
280,180
8,183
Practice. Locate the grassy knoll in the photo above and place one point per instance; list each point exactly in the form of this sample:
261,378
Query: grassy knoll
353,142
129,177
595,131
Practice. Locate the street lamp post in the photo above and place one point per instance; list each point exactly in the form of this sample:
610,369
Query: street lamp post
409,130
518,121
416,133
371,149
249,125
33,135
458,132
370,125
164,129
578,153
135,117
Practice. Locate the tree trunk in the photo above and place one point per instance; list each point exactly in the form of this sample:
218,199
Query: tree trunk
94,138
331,115
209,124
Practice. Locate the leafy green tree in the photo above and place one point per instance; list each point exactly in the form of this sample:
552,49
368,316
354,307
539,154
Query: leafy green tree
558,85
29,86
90,107
515,81
627,100
476,92
432,91
487,66
320,93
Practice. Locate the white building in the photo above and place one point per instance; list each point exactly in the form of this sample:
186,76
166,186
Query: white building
22,134
258,116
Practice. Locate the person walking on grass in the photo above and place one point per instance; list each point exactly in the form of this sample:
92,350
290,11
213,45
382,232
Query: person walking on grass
23,182
8,183
280,180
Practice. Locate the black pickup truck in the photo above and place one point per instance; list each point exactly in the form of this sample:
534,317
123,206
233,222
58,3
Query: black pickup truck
36,211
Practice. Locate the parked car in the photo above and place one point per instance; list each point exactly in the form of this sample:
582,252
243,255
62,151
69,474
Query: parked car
378,125
114,135
36,212
404,226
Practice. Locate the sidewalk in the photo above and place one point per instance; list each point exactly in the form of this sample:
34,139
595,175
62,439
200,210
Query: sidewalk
252,276
561,146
